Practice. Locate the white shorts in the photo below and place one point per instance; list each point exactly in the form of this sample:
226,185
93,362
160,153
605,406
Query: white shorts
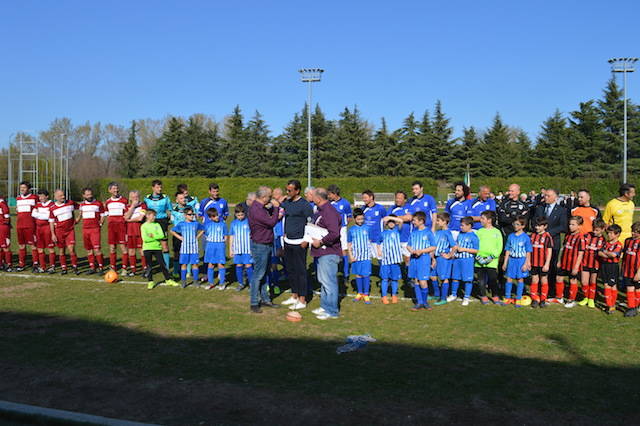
373,248
343,238
404,250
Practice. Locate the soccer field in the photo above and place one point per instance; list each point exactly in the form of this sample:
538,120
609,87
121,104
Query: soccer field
188,356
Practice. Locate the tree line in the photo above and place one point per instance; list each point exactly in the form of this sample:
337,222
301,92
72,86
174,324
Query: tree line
586,142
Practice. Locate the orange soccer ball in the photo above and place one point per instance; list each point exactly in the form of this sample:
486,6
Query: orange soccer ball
293,316
111,276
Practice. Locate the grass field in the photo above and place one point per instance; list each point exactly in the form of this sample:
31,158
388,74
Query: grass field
188,356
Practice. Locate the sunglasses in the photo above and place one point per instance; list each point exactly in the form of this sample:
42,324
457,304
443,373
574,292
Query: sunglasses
189,214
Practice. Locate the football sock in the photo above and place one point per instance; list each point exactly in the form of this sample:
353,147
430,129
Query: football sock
195,272
210,274
113,259
384,287
74,260
7,257
559,289
614,296
366,284
22,254
183,274
507,290
592,290
91,259
221,276
143,262
239,276
359,285
34,256
418,291
436,289
454,288
52,259
468,286
585,290
544,292
100,258
444,292
394,287
573,291
132,262
519,290
125,260
631,299
534,292
425,294
43,260
63,261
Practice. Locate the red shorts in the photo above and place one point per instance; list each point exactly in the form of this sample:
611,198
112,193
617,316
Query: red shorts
117,233
66,237
5,236
26,236
91,238
43,237
134,242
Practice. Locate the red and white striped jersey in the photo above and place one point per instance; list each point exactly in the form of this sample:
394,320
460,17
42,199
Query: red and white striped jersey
62,214
24,207
115,208
5,215
91,213
42,213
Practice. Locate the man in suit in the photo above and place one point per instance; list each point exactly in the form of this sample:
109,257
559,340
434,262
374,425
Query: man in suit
557,218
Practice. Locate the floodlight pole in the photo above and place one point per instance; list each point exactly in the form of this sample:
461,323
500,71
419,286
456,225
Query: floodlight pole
624,65
309,75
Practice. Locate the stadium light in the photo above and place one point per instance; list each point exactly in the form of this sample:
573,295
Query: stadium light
623,65
310,76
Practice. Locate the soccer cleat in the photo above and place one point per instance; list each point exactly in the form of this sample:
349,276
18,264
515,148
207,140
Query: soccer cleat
610,310
543,304
298,305
556,300
171,283
51,270
417,307
394,299
591,304
441,302
484,301
367,300
427,307
150,285
358,297
569,304
20,269
123,272
8,269
534,304
583,302
209,287
240,287
40,270
325,316
99,271
451,298
465,301
256,310
222,287
631,312
91,271
76,270
131,274
183,284
35,268
64,271
290,301
318,311
385,300
507,301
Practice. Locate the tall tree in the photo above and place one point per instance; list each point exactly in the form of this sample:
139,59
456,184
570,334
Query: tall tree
232,144
553,152
496,151
253,150
386,156
167,158
443,144
128,155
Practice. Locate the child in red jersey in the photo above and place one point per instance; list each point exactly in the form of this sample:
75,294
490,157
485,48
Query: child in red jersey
609,266
593,243
542,245
570,263
631,269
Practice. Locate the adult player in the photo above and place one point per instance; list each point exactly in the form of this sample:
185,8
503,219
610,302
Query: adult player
26,226
5,236
481,203
343,207
62,229
457,207
586,211
115,207
373,214
214,200
161,204
511,208
400,208
421,202
42,215
133,218
92,217
620,210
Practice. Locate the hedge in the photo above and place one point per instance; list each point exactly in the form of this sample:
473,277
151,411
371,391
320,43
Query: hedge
235,189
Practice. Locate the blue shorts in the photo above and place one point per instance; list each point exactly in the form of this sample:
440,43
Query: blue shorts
361,267
242,259
390,272
189,258
420,267
215,253
514,268
463,269
444,268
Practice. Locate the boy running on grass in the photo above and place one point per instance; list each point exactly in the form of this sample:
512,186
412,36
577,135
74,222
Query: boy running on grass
152,235
488,257
189,232
610,266
390,254
594,243
570,262
517,260
214,254
422,243
542,245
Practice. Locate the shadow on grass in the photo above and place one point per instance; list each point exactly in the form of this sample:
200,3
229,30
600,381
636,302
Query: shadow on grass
97,368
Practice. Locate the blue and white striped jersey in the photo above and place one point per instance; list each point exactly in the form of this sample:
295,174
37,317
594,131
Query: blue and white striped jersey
518,245
467,240
444,241
358,236
343,207
241,236
421,239
215,232
391,248
189,232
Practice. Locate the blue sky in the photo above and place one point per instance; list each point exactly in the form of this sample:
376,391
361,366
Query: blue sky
115,61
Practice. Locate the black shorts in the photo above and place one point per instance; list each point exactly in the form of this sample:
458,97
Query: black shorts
537,270
629,282
567,273
164,224
609,274
590,270
176,244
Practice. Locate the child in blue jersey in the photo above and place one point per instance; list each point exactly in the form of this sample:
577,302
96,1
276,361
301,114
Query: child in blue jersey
240,246
358,239
189,232
215,234
444,256
517,261
421,244
465,251
390,253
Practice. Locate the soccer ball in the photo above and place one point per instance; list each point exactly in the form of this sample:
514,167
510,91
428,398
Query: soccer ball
293,316
111,277
525,301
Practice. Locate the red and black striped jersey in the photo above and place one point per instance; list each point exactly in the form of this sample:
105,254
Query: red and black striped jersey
592,245
540,244
573,245
614,247
630,258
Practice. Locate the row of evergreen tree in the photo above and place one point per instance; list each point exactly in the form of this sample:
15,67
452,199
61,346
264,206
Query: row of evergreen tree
586,142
